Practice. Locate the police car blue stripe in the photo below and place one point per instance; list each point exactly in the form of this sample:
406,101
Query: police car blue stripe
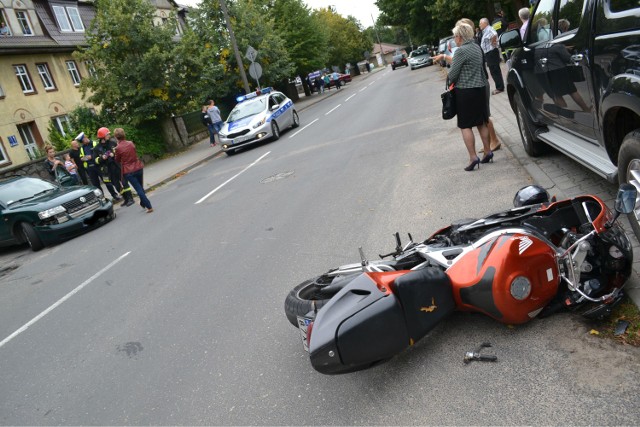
280,111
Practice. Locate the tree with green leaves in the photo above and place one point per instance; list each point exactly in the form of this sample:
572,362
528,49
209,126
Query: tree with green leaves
131,58
256,28
305,38
347,42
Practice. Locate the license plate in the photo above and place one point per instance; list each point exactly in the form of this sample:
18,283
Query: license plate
238,140
303,327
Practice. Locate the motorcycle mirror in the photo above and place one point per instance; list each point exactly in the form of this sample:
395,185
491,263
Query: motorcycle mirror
626,198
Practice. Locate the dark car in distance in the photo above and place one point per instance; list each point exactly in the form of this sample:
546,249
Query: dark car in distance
41,213
399,60
574,85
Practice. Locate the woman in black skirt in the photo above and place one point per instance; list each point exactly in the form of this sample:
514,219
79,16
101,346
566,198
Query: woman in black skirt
468,76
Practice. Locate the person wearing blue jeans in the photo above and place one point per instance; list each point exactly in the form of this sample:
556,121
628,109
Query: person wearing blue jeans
132,166
216,120
206,120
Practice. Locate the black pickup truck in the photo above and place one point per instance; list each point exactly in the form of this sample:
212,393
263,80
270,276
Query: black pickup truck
574,84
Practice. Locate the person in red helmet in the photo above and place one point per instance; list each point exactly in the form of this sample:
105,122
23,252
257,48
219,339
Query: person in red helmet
111,171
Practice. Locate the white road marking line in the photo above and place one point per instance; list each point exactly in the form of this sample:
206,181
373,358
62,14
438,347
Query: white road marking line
232,178
303,128
350,97
363,88
333,109
61,300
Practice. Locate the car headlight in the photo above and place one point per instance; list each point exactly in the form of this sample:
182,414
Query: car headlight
520,288
98,193
51,212
260,123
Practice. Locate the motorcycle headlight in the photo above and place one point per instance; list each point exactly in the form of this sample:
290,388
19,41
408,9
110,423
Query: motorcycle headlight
520,288
51,212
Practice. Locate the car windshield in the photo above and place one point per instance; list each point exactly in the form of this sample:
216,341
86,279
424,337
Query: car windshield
247,109
417,53
23,189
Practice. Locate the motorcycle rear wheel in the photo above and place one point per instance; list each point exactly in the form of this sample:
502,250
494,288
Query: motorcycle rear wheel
302,298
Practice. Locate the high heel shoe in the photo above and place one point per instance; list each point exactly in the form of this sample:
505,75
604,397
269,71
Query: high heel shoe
473,165
487,158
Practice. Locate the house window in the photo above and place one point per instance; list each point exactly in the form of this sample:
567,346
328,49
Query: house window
91,69
62,124
61,17
4,159
45,75
24,79
4,24
73,72
29,142
68,19
75,19
23,20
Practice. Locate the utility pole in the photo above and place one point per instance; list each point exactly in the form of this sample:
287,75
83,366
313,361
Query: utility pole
384,62
243,75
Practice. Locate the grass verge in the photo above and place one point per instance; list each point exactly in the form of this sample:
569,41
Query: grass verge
626,311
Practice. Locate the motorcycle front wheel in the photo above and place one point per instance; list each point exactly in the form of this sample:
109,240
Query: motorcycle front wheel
313,292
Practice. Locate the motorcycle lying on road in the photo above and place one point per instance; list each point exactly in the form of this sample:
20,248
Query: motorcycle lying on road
530,261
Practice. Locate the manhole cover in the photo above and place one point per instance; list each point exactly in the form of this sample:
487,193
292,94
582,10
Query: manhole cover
281,175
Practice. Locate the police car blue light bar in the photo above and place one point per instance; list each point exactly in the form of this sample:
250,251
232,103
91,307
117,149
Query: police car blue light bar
255,94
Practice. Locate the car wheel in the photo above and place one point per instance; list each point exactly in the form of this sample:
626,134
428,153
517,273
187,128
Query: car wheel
532,145
275,131
31,237
629,172
296,120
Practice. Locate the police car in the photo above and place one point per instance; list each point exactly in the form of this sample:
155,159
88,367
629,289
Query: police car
257,116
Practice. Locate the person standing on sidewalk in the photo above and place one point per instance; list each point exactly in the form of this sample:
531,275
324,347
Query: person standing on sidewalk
524,14
495,143
132,166
470,82
500,24
206,120
216,118
489,45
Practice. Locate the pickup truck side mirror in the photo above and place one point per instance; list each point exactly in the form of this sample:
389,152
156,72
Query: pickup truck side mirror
510,40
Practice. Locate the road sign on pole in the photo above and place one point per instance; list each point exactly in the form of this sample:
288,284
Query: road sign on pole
251,54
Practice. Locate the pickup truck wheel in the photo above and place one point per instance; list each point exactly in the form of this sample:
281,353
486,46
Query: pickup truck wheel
275,131
31,237
629,172
532,145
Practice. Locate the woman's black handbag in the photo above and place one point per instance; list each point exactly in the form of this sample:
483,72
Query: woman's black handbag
448,104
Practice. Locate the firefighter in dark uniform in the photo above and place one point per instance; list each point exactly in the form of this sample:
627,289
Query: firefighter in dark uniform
88,162
104,152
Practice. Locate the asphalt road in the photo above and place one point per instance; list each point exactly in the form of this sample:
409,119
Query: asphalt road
176,317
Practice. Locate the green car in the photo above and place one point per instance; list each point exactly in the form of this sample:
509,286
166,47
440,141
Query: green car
42,213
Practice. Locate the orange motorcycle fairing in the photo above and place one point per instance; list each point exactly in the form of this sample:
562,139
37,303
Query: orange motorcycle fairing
509,277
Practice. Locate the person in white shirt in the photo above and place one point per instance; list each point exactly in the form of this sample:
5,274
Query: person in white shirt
524,15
